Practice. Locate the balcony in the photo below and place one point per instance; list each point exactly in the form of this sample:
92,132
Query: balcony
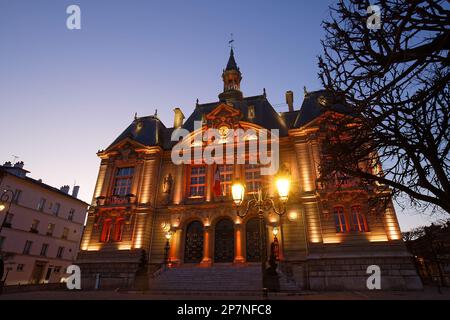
339,183
33,230
116,200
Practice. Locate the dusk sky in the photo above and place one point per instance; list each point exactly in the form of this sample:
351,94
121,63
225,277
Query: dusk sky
64,94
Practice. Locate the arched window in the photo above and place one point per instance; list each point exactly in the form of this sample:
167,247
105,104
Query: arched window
358,220
106,231
339,220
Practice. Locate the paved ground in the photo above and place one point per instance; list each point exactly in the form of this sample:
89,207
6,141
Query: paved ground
427,294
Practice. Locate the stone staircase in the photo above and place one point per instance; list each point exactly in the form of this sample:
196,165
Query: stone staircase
287,284
217,278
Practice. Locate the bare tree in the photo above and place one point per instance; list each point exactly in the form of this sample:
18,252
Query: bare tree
395,81
413,234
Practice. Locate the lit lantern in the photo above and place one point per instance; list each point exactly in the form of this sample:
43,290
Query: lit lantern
283,184
238,192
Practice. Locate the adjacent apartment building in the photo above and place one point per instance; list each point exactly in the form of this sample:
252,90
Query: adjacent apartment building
42,227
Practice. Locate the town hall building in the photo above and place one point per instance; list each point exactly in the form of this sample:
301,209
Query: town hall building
154,224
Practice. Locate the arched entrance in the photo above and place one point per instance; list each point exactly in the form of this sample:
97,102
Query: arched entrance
193,248
224,241
252,240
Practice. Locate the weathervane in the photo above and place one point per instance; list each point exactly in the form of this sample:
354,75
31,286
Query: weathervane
231,41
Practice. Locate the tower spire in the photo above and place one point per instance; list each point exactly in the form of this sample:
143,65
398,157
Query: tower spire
231,77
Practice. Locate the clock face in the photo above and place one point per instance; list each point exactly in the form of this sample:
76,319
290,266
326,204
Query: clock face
323,101
223,131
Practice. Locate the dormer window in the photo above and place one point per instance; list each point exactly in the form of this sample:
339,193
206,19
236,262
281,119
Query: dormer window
251,112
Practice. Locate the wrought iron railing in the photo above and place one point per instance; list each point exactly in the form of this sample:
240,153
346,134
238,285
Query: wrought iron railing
116,200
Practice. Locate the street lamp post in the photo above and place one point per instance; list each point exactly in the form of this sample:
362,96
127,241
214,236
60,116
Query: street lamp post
5,203
168,236
262,204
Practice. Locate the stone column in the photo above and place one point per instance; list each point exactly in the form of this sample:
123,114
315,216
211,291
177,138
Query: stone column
206,261
238,234
209,178
175,248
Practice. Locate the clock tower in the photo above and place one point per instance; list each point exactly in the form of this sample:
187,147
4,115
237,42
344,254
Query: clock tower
231,81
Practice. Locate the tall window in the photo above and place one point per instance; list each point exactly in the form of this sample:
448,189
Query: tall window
50,229
253,177
122,182
44,250
339,220
34,226
118,230
197,183
27,247
56,208
8,220
71,214
226,178
16,196
60,252
358,220
106,231
41,204
2,241
65,234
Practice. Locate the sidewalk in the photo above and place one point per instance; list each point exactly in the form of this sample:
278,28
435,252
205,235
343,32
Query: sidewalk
429,293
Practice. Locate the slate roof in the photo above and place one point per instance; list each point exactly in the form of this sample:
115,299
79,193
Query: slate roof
265,114
150,131
311,107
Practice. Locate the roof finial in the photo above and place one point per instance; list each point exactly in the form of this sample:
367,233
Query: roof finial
196,102
304,90
264,92
230,42
156,113
135,116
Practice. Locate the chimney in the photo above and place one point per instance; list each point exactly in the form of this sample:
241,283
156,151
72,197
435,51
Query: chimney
19,165
65,189
178,119
290,100
75,191
16,169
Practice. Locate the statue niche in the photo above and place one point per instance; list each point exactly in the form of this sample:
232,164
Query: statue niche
167,187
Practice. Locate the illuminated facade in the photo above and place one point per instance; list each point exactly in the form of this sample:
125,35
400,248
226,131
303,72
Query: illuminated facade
326,240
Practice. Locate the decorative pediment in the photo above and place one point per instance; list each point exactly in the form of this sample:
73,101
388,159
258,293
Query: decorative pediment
125,149
223,114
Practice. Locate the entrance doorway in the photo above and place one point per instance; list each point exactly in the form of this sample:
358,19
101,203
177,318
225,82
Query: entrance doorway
252,240
193,249
224,241
38,271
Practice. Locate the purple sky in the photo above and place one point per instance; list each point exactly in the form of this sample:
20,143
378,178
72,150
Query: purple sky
64,94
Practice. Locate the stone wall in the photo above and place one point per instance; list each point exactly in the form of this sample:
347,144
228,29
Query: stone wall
397,273
116,269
